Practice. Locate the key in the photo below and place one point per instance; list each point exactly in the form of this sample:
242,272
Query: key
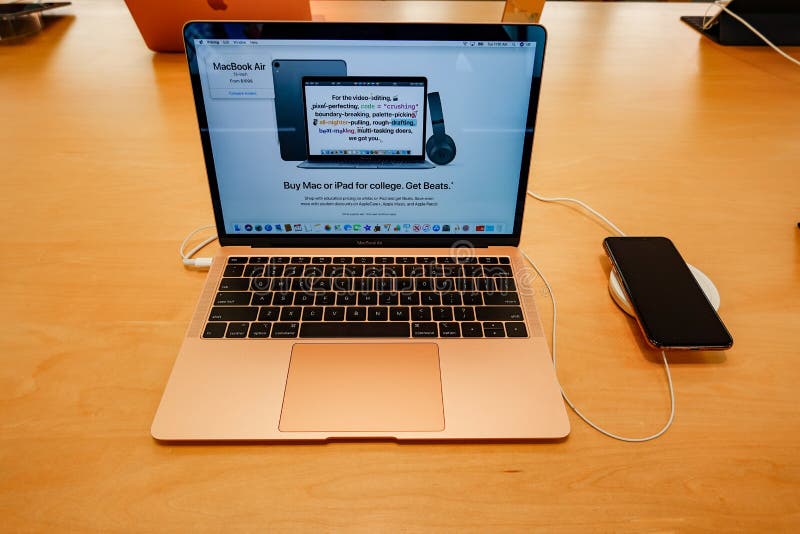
484,284
259,330
398,313
234,284
303,299
498,313
388,298
420,313
345,299
493,329
233,313
472,299
273,270
325,298
282,299
430,298
261,299
449,330
462,313
369,329
269,313
424,284
214,330
409,299
424,330
451,299
504,285
442,313
367,299
312,313
292,270
377,313
260,284
356,313
471,330
232,298
373,271
233,270
286,329
291,313
237,330
334,313
498,270
252,271
362,284
500,299
516,330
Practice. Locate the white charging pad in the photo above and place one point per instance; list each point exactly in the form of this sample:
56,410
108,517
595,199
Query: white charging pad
619,296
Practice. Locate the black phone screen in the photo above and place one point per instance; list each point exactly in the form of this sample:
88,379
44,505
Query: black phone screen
670,305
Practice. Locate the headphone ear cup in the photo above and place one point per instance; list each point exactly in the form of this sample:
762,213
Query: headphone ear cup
441,149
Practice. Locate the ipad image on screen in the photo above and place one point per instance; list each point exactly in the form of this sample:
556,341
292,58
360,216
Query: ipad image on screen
287,78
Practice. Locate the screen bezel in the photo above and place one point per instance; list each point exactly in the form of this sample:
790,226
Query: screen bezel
367,32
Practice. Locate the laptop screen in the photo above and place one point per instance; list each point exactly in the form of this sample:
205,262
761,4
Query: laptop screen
455,105
370,118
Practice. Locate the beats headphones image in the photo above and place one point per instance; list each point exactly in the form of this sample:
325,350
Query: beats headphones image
441,148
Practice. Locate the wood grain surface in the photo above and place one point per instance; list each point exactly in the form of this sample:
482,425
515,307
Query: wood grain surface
663,131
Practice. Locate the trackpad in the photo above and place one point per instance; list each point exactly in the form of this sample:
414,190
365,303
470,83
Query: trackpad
363,387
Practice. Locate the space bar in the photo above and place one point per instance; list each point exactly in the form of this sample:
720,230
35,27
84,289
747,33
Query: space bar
354,330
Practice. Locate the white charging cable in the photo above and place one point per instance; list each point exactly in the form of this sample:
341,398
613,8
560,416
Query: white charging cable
723,6
553,333
199,263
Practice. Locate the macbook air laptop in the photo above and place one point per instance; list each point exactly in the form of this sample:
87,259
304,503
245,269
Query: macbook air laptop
366,303
161,23
384,133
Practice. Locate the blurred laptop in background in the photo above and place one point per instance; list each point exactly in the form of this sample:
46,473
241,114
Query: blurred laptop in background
161,23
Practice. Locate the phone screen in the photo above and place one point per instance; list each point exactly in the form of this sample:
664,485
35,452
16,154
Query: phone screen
671,308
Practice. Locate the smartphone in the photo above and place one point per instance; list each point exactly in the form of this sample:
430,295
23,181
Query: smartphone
671,308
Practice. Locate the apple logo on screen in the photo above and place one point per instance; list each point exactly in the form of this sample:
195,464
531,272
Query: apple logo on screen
218,4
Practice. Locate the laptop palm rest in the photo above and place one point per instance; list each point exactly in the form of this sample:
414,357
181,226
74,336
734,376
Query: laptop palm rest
363,387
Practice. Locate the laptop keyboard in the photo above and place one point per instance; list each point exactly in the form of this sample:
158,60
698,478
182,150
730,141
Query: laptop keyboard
261,297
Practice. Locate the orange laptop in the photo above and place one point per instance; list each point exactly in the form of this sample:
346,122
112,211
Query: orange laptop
381,293
161,23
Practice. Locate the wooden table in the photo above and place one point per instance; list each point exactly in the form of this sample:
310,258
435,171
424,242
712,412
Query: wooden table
658,128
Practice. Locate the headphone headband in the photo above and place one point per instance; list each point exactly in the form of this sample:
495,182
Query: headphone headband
437,117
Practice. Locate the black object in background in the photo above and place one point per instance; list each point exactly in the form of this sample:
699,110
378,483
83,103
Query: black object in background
19,8
671,308
778,20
